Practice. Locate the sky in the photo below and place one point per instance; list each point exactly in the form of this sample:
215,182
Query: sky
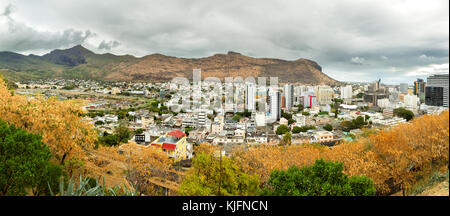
358,40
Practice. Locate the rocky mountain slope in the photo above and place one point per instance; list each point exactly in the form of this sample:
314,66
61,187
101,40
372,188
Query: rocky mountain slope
79,62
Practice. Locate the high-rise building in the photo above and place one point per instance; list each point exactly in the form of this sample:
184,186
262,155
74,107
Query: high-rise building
251,96
435,95
275,104
324,94
346,92
289,95
419,89
404,88
411,100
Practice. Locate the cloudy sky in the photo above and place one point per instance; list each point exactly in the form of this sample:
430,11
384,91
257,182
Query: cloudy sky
358,40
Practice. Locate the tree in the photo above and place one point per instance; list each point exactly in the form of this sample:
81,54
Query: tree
303,129
328,127
209,171
25,164
60,123
139,131
237,117
123,133
323,113
287,138
324,178
282,129
404,113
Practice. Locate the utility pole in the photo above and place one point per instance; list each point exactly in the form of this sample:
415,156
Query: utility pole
220,170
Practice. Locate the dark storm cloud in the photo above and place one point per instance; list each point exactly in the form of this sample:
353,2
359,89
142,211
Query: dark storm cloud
18,36
351,40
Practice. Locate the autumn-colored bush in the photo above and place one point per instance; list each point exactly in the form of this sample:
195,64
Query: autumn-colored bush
392,158
58,122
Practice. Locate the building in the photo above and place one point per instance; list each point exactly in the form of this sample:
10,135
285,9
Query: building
275,104
174,144
309,100
411,101
389,112
216,128
419,89
404,88
260,119
346,92
438,80
289,96
324,94
324,136
300,120
434,96
251,97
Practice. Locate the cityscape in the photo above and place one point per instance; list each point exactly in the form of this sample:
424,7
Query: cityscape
176,101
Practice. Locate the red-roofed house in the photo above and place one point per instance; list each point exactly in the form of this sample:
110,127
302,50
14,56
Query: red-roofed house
174,144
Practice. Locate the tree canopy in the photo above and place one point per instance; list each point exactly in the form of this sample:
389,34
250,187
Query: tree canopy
26,165
324,178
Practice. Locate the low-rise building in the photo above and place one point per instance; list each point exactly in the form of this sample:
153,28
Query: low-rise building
324,136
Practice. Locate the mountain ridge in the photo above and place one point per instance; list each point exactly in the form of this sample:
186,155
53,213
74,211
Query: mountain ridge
79,62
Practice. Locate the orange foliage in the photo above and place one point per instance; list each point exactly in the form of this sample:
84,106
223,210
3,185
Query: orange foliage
397,155
58,122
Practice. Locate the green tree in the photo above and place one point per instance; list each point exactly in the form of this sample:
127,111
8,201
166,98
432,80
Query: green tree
404,113
282,129
123,133
305,128
139,131
323,113
324,178
209,171
237,117
287,138
328,127
25,163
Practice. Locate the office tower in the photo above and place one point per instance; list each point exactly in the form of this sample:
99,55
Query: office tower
289,96
251,97
434,94
419,89
275,104
404,88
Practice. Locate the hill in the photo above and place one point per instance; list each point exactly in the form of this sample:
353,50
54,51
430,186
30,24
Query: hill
79,62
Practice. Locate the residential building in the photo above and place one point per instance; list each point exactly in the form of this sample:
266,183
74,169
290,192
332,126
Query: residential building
289,96
346,92
324,136
174,144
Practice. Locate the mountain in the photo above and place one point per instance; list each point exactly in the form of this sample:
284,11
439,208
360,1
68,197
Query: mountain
79,62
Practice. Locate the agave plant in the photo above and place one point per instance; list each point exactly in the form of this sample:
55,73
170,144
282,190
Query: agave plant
85,189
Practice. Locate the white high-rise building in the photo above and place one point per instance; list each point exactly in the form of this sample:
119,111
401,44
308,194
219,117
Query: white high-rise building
275,104
346,92
251,97
411,100
289,95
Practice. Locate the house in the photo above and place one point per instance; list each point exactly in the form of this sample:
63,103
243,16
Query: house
175,145
324,136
